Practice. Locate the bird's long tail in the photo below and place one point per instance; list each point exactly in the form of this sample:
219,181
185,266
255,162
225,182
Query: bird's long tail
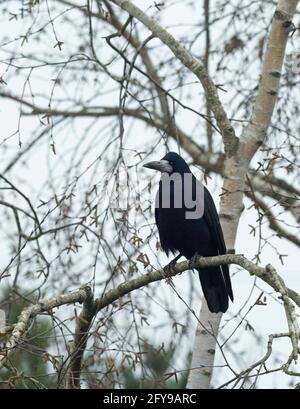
216,287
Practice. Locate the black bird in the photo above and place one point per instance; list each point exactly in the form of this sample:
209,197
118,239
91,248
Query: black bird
190,237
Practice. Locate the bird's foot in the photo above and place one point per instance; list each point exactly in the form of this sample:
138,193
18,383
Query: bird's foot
169,268
193,260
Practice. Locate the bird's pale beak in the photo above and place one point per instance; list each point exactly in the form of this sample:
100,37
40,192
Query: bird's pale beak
161,165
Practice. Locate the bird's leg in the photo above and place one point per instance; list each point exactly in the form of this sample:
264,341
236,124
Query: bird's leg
193,260
169,267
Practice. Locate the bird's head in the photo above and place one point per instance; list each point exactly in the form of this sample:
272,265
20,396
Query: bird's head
170,163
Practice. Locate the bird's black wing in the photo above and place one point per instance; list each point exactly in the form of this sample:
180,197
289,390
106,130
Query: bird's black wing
159,223
157,219
211,217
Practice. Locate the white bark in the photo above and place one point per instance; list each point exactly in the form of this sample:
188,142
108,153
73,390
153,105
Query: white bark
236,167
91,307
204,349
238,153
2,322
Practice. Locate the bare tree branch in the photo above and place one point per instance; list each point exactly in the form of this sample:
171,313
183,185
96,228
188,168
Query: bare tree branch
83,324
91,308
194,65
237,163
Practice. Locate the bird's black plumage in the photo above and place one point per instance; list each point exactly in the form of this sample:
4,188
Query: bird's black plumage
202,236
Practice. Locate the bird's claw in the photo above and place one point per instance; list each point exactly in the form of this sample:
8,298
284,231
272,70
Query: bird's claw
193,260
168,269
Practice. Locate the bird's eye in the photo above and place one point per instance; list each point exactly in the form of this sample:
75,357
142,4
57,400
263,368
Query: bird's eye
171,162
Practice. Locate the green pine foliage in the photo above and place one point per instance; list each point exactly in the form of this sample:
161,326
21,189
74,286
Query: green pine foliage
156,371
28,367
